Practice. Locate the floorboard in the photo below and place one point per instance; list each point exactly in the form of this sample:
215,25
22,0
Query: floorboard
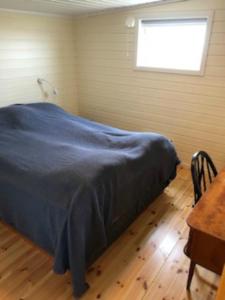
145,263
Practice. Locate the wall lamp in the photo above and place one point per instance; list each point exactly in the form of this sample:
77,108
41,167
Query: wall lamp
41,81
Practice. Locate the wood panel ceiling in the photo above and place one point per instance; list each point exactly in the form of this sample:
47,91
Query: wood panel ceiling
72,7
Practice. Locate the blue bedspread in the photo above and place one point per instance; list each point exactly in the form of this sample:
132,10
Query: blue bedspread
72,185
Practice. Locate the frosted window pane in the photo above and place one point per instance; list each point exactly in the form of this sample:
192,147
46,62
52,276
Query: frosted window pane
172,44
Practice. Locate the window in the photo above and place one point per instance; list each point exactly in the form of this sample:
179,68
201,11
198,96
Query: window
176,45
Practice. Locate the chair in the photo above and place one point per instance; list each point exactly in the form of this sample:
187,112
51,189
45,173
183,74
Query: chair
203,170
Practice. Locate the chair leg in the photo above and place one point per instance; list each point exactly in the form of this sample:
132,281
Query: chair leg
190,274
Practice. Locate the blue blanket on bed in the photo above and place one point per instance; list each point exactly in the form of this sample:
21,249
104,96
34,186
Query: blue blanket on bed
72,185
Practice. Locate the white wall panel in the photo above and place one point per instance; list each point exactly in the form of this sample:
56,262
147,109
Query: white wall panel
190,110
37,46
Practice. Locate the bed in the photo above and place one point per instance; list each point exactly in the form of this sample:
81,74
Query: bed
72,185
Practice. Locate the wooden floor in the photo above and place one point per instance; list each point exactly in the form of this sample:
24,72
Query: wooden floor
146,263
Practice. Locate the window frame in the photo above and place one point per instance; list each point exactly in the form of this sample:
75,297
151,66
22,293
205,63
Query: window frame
199,15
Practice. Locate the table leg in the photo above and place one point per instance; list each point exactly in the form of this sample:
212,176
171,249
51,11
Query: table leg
190,274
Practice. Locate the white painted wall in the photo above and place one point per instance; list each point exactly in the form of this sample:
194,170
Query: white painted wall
188,109
33,46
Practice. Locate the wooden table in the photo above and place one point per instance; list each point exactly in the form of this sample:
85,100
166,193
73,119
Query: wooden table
206,243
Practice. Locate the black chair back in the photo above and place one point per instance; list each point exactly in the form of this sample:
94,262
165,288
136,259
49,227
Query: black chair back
203,171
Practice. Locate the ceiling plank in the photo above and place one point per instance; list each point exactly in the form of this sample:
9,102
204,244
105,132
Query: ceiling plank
74,7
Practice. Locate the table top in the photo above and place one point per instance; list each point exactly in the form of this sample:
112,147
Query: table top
208,216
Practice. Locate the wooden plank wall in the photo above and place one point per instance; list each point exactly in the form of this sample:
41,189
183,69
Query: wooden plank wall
34,46
188,109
